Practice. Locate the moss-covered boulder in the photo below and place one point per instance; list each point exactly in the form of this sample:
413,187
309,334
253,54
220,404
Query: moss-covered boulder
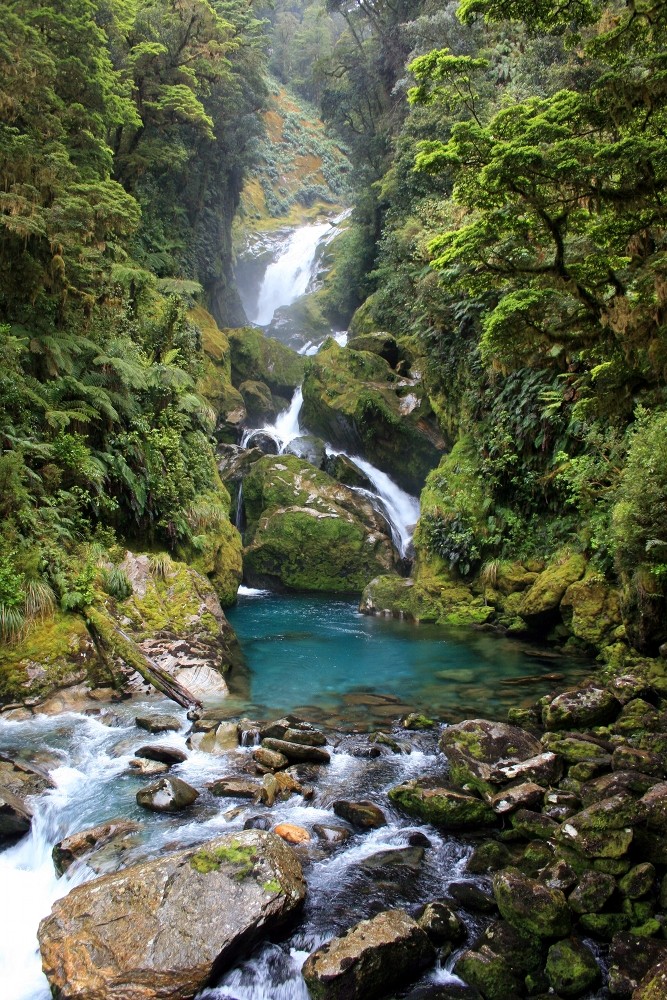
55,652
174,615
382,344
354,400
441,806
259,403
490,973
305,531
571,967
591,609
450,603
542,600
477,748
591,705
256,357
529,906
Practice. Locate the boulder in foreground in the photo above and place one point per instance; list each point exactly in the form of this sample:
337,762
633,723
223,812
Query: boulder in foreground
161,929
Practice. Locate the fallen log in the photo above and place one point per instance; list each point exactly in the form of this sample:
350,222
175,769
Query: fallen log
110,636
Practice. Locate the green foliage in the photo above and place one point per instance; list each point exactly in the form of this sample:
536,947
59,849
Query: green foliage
116,583
639,517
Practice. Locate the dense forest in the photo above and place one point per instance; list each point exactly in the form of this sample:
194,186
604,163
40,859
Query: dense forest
508,172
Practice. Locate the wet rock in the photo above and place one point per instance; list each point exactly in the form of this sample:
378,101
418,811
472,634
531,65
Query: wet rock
638,881
388,741
416,721
559,875
653,806
167,795
617,783
219,740
534,824
292,833
146,768
369,958
363,814
440,922
296,752
234,787
270,758
524,953
604,925
15,815
158,723
477,748
630,759
451,991
443,807
472,897
419,839
331,834
571,967
306,737
630,959
78,845
589,706
258,823
604,829
22,778
574,749
596,843
530,906
488,857
191,913
592,893
164,754
490,973
381,863
521,796
560,805
279,786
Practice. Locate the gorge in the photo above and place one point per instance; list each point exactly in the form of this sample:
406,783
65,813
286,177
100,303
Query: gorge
333,599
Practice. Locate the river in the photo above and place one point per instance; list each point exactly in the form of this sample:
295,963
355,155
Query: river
321,659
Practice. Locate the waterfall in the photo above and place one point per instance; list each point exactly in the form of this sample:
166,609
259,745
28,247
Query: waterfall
400,509
288,277
285,429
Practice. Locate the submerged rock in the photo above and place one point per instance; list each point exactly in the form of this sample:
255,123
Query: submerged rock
368,959
190,915
79,845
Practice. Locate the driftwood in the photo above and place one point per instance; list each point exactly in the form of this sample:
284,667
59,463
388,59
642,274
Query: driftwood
110,636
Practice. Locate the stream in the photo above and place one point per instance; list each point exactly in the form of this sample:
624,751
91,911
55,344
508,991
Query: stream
319,658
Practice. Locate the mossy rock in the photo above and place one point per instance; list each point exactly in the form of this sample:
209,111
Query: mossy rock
544,597
354,400
452,604
215,382
529,906
591,609
490,973
477,747
218,550
306,532
259,402
382,344
443,807
587,706
53,653
571,967
255,357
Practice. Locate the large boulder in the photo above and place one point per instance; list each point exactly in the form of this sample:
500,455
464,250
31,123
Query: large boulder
354,400
162,928
372,957
542,600
441,806
479,750
305,531
256,357
529,906
174,614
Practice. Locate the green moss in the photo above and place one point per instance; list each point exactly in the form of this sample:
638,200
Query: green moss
257,357
550,586
52,653
442,807
272,886
571,968
243,858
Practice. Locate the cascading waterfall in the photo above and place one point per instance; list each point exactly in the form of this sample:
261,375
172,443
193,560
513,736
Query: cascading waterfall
400,509
288,277
285,429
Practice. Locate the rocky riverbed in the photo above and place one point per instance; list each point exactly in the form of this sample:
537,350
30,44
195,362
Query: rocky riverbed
501,860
